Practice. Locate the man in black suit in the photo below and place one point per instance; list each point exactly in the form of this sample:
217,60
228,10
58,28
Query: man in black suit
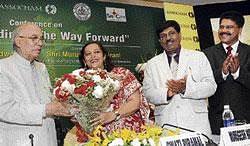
231,72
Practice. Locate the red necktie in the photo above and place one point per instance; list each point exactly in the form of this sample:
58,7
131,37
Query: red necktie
229,49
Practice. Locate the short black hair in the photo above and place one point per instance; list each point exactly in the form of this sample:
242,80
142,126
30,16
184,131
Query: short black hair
234,16
167,24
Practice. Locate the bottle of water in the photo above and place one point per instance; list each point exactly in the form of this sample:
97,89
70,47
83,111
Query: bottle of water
227,116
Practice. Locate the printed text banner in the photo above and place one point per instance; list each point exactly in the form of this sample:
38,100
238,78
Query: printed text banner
126,31
184,15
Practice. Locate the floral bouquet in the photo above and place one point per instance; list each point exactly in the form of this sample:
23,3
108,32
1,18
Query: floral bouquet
89,90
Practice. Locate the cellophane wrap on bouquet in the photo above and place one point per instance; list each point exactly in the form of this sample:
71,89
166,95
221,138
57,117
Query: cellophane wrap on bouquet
89,90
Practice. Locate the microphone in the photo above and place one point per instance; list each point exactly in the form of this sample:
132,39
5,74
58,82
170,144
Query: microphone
31,136
209,142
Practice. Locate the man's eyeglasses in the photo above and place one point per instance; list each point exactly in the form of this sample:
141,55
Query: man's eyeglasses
228,27
34,39
164,36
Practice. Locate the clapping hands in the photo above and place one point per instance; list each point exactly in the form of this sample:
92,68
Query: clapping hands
231,63
176,86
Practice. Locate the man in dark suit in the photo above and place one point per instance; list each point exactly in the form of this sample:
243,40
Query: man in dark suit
231,71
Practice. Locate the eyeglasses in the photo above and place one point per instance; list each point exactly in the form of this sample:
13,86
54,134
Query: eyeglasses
34,39
228,27
170,34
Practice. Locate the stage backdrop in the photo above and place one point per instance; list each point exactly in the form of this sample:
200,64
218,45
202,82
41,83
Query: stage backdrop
127,32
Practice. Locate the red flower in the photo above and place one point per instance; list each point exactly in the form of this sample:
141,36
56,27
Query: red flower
82,90
91,84
58,83
82,73
70,78
62,97
65,76
102,75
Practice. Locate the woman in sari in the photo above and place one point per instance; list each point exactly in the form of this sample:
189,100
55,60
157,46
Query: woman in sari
129,108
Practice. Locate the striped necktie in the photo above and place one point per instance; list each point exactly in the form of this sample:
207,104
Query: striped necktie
229,50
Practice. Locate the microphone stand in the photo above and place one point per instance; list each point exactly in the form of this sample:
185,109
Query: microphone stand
31,136
210,142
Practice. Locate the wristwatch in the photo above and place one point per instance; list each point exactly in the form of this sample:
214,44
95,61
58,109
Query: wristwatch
117,115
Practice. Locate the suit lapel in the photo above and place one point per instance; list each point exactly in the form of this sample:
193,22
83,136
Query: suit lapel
241,52
221,51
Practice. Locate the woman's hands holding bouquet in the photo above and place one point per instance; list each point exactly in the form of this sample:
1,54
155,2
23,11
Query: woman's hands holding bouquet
126,109
103,118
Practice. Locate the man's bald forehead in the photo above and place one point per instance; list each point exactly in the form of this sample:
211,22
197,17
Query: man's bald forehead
27,26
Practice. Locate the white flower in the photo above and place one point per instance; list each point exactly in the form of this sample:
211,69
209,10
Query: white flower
144,142
116,84
96,78
98,92
69,87
77,72
135,142
91,71
116,142
151,142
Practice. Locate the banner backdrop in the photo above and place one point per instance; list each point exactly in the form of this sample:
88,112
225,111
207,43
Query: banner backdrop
184,15
127,32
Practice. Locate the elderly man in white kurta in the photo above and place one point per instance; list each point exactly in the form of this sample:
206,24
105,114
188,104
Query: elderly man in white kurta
25,98
179,86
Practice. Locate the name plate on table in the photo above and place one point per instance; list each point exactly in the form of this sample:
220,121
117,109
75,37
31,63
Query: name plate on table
188,139
235,135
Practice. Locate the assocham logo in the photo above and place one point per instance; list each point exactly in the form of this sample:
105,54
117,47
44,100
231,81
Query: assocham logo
49,9
21,7
82,11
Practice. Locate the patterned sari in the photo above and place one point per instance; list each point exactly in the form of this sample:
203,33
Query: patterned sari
128,85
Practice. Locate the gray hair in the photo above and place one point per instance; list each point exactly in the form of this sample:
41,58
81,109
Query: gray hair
15,33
